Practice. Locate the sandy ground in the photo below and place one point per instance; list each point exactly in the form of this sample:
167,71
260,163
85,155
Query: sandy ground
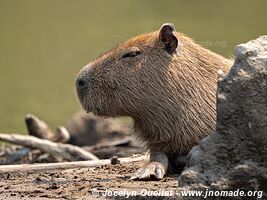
103,182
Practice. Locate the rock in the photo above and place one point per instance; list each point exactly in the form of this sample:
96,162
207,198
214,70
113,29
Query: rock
234,157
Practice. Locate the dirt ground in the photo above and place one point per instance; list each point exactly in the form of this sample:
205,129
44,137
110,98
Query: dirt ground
103,182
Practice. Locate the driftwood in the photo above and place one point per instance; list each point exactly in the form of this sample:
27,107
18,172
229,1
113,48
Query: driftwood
38,128
68,165
66,151
119,142
123,147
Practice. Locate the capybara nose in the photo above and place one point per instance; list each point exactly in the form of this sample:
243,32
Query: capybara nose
81,83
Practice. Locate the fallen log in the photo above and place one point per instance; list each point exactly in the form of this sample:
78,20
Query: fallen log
68,165
66,151
38,128
119,142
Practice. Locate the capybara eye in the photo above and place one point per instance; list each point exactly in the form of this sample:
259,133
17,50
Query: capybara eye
131,54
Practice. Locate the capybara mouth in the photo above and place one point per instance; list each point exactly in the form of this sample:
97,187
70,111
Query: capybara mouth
88,105
97,111
88,108
84,102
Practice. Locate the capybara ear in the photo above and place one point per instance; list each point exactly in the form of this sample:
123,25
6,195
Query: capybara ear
167,37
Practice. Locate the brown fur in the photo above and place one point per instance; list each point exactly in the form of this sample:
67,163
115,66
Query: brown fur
171,97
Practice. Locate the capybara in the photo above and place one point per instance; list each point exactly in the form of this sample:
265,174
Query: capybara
166,83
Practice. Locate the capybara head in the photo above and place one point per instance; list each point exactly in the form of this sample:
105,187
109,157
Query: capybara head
163,80
118,82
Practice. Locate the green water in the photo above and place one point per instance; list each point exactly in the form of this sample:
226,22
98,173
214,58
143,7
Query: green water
44,43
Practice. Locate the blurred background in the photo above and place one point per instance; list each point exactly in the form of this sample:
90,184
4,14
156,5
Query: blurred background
43,44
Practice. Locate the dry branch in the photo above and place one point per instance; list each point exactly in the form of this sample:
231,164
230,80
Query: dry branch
66,165
119,142
66,151
38,128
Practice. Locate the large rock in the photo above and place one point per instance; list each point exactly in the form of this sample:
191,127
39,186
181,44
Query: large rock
235,156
